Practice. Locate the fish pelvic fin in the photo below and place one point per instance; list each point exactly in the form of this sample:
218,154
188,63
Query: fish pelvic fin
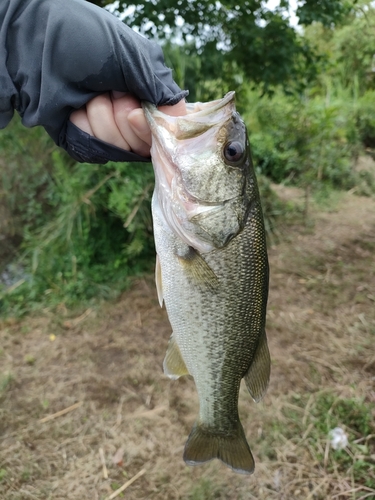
258,375
174,365
204,445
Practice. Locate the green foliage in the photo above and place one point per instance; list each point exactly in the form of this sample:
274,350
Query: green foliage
353,50
206,72
347,52
365,118
260,42
310,140
272,54
275,211
83,250
324,11
25,183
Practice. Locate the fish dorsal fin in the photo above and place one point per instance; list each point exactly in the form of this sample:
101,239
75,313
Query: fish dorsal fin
173,365
198,270
258,374
158,280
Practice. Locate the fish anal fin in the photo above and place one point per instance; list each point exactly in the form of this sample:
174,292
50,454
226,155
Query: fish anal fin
203,446
158,281
258,375
198,270
174,366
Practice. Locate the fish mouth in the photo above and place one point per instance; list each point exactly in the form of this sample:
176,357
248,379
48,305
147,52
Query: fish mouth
198,109
204,108
200,117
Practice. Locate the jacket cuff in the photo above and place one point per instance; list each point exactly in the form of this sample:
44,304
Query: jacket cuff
85,148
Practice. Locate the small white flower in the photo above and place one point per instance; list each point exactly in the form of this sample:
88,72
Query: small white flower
339,439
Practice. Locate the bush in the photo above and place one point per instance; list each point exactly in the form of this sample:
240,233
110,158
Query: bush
26,184
69,220
305,141
365,118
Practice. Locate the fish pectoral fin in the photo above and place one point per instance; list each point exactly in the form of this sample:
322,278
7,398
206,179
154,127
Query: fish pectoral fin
203,445
158,281
198,270
174,366
258,374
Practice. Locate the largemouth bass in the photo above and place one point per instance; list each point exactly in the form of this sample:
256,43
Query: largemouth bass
212,269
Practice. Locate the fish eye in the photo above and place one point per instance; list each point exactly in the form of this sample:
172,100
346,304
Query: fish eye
233,151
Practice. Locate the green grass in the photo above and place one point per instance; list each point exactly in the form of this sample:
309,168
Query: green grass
206,490
316,415
5,382
327,198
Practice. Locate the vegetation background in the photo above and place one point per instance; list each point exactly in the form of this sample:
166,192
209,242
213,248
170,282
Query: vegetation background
72,232
73,235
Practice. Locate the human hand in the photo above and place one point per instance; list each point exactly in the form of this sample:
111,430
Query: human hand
117,118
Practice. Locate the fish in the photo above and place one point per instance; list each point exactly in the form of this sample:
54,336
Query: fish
211,269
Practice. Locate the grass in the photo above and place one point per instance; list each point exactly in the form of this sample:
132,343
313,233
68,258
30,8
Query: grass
327,199
205,490
324,411
5,381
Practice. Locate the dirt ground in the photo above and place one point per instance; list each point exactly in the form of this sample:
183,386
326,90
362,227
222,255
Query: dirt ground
129,418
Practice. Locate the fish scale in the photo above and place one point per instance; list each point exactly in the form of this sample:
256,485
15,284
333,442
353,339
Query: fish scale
212,271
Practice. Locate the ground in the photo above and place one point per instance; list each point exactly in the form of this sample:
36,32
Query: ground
129,416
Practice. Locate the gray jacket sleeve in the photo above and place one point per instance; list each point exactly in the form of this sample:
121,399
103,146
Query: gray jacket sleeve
56,55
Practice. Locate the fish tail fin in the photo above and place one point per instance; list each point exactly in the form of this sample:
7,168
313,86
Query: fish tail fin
204,445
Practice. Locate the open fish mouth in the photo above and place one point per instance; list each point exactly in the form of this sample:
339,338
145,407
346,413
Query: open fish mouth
174,136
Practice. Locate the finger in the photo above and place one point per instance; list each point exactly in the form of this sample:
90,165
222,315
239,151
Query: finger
138,123
102,121
122,107
178,109
80,120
